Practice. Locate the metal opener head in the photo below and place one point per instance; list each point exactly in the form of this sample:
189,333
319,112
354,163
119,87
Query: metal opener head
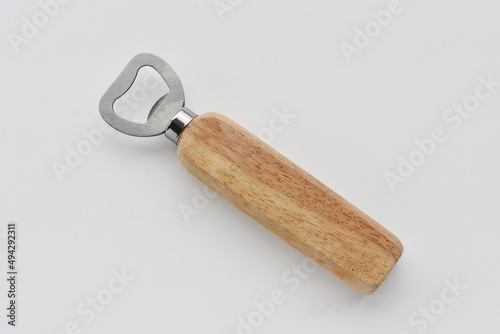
168,115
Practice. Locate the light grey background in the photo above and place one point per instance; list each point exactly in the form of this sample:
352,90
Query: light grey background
119,209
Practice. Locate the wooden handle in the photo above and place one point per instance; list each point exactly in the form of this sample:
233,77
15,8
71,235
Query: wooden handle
288,201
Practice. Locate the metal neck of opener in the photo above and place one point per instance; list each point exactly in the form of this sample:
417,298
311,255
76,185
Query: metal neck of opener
168,115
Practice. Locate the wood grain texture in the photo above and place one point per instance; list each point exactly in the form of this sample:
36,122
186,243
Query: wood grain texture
288,201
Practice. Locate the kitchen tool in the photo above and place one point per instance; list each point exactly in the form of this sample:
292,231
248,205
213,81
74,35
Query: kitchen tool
263,183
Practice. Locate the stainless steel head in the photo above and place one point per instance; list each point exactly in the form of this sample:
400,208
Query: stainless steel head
168,115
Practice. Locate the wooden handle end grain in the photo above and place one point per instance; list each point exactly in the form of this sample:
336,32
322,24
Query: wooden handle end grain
288,201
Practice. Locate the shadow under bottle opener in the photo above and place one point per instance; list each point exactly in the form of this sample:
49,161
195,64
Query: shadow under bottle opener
262,183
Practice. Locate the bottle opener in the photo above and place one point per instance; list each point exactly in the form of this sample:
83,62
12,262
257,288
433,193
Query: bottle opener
262,183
